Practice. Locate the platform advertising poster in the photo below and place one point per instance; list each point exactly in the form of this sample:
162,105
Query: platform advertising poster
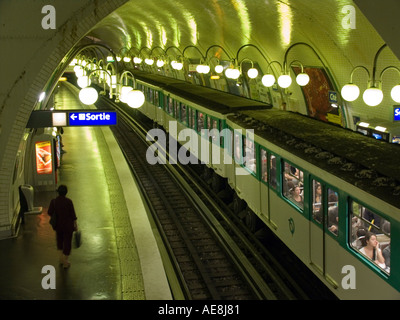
43,157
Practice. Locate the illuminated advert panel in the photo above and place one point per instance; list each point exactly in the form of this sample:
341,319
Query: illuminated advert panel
44,160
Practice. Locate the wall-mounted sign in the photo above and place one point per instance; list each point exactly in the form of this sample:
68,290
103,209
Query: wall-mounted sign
396,113
92,118
43,157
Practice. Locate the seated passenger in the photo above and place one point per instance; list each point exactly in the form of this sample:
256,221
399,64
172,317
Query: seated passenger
295,197
360,235
333,219
371,249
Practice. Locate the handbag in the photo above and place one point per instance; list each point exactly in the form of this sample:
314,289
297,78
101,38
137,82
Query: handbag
77,239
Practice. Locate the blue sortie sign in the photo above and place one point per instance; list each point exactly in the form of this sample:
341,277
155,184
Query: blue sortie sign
92,118
397,114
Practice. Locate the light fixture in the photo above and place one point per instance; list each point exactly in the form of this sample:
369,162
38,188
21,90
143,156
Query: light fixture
176,65
127,94
219,69
149,61
83,82
395,93
252,73
284,81
364,124
135,98
232,73
373,95
268,80
302,79
160,63
88,95
350,92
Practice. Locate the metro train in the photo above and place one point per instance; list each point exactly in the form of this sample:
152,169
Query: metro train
330,194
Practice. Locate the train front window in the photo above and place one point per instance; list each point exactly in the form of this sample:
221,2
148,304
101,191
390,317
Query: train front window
292,187
370,235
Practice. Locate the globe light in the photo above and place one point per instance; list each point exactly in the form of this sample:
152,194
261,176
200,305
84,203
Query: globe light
137,60
127,59
268,80
135,98
284,81
124,93
219,69
88,95
79,72
83,82
302,79
149,61
160,63
206,69
176,65
350,92
395,93
252,73
232,73
373,96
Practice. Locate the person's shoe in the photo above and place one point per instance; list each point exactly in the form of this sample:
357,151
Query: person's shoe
66,265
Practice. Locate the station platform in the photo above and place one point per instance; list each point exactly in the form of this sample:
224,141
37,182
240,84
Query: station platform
118,259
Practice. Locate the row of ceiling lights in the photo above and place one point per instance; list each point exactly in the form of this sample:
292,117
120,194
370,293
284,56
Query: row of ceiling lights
373,96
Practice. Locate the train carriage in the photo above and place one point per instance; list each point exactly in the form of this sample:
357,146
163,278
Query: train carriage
306,180
324,244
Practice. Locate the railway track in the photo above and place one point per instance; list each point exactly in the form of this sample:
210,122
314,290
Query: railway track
210,256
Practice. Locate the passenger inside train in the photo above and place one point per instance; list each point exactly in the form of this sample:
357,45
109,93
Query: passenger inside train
372,235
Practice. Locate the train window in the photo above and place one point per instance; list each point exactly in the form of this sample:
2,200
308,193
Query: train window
238,147
157,99
169,105
192,118
370,235
200,121
293,184
183,114
317,213
264,165
272,171
250,161
176,110
332,221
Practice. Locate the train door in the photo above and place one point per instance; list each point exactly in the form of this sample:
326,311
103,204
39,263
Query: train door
317,234
323,224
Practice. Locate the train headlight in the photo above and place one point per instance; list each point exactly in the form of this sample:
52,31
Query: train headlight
350,92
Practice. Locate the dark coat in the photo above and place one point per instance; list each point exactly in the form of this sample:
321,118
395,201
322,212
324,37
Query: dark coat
66,216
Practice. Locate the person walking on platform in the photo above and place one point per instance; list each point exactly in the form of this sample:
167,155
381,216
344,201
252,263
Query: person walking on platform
66,223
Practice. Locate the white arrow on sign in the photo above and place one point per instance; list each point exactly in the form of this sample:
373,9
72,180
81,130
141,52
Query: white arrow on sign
73,116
